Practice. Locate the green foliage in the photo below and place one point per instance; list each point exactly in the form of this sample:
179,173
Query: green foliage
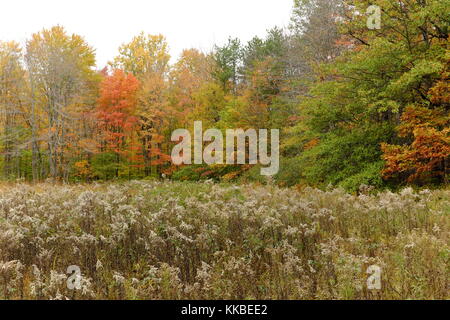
105,166
291,172
228,59
357,102
369,176
346,156
259,49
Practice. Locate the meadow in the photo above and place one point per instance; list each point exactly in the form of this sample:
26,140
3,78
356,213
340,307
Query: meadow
183,240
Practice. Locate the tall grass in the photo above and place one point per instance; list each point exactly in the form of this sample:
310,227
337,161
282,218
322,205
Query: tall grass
167,240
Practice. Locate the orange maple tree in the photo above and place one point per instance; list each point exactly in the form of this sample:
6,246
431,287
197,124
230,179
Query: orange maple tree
428,127
427,156
116,108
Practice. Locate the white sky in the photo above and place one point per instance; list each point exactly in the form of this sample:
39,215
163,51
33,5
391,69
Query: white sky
106,24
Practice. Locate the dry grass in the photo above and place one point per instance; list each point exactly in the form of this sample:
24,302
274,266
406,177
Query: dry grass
152,240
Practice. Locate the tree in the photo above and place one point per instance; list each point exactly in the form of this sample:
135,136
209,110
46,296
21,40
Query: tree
359,100
156,118
12,87
117,119
315,26
228,60
191,72
147,58
425,160
60,67
144,55
209,104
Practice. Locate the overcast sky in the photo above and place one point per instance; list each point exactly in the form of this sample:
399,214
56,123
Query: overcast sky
106,24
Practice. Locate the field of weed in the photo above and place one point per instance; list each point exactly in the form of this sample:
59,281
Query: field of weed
174,240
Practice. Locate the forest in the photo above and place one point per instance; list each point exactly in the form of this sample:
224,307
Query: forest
355,105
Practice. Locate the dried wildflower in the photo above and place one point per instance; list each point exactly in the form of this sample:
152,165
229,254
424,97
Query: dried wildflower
119,278
170,240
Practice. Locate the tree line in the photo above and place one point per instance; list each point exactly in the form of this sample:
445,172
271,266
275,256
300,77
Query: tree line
354,105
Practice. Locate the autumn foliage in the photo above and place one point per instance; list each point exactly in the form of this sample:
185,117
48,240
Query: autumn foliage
426,159
354,106
116,110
